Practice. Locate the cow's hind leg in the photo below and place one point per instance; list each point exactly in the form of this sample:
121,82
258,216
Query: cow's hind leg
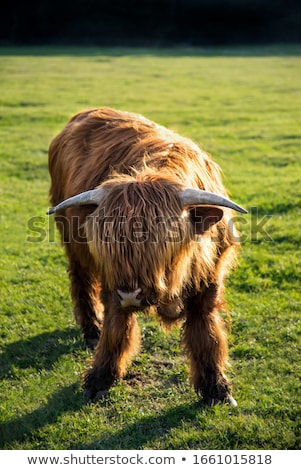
119,343
85,285
85,290
206,345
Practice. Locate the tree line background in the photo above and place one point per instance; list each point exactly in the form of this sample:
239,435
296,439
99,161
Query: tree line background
150,22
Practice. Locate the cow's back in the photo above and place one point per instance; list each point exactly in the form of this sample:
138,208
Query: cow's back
98,142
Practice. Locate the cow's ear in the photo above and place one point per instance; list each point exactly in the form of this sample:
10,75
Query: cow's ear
203,217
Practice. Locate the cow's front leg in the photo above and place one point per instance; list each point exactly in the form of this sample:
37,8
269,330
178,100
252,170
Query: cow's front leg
206,345
118,344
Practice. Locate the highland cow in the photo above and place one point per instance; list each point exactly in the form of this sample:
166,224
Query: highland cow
147,226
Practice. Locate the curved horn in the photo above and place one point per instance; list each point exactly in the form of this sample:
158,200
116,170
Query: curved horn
94,196
199,197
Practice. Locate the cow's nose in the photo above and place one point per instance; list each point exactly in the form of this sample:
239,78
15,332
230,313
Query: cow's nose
129,299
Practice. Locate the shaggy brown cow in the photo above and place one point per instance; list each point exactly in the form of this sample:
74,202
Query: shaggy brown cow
139,211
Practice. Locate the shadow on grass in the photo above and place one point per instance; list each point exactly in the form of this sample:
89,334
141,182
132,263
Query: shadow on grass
70,399
42,352
67,399
39,352
144,431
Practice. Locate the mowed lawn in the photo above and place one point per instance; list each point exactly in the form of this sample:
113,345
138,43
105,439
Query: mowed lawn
243,105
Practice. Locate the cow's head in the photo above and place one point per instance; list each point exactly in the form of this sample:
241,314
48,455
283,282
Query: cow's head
143,233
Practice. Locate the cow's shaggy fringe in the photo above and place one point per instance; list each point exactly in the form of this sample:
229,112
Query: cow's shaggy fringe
141,236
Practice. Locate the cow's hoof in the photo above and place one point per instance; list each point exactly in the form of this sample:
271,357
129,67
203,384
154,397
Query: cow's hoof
230,401
93,396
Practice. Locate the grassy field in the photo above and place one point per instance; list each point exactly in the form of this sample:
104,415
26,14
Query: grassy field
243,105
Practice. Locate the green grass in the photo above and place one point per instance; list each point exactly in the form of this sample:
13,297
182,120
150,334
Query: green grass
243,105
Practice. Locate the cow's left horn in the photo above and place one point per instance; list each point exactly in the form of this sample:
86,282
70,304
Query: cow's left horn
199,197
94,196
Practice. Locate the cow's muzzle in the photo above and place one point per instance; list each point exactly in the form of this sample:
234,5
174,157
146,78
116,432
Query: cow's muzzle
129,299
142,298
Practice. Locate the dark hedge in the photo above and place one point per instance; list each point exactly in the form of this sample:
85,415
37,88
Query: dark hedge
150,22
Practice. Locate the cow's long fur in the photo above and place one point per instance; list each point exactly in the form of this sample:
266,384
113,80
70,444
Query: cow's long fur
141,236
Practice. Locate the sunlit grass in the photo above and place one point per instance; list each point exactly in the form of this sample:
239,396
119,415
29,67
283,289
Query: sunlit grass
242,105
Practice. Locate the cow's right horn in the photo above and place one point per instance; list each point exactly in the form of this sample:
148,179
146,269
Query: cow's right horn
94,196
199,197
